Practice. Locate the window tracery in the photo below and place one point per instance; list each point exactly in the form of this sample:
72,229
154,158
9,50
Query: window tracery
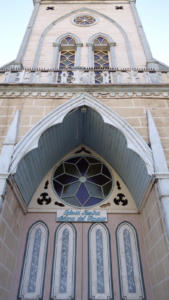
82,181
84,20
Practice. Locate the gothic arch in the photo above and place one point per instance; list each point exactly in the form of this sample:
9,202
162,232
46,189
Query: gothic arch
49,27
112,133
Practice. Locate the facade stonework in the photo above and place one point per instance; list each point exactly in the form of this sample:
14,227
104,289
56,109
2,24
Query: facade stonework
84,128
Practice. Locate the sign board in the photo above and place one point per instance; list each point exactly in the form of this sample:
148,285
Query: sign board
73,215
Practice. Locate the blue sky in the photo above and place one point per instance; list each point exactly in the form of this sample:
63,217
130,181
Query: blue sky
15,14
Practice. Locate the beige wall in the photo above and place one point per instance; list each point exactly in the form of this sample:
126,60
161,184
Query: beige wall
157,247
11,219
123,17
132,109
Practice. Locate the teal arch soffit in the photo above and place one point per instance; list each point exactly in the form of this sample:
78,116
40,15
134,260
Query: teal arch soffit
101,129
49,27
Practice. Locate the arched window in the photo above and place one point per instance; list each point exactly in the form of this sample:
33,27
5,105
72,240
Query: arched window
63,274
101,55
100,277
33,270
130,270
67,53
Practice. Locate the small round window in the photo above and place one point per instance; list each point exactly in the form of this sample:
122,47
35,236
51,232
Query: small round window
84,20
82,181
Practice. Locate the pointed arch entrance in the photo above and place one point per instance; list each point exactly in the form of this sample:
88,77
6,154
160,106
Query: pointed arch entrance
82,120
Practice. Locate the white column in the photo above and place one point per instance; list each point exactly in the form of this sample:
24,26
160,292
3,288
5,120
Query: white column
161,168
6,154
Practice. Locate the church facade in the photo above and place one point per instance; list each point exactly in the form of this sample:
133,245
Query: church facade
84,180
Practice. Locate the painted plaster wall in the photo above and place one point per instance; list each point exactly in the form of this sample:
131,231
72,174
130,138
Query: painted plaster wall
35,106
82,253
11,220
157,246
123,17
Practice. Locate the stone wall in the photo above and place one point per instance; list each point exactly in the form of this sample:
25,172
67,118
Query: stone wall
35,105
11,219
157,246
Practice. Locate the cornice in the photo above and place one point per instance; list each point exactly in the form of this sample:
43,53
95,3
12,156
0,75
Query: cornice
66,90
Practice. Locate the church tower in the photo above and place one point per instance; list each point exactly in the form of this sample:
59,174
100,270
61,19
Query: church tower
84,180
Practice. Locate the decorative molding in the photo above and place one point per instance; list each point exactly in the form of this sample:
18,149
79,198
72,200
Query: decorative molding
138,90
100,273
129,263
64,263
34,263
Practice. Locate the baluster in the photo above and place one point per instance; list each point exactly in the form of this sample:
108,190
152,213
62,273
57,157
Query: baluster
6,77
64,76
92,77
105,77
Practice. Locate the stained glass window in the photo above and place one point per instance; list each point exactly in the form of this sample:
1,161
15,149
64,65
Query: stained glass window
130,270
33,270
82,181
67,56
100,279
101,57
84,20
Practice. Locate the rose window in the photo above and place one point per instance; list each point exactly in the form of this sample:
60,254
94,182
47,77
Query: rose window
82,181
84,20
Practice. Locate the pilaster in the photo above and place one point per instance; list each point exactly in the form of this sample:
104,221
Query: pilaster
6,154
161,169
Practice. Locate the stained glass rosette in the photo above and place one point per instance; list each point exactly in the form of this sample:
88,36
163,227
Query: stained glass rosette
84,20
82,181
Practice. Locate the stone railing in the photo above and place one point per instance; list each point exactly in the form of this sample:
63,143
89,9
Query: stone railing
84,76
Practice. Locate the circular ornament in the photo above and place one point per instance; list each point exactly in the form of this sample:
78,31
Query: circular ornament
82,181
84,20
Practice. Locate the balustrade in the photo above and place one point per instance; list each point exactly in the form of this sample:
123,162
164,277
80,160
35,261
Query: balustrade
85,76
